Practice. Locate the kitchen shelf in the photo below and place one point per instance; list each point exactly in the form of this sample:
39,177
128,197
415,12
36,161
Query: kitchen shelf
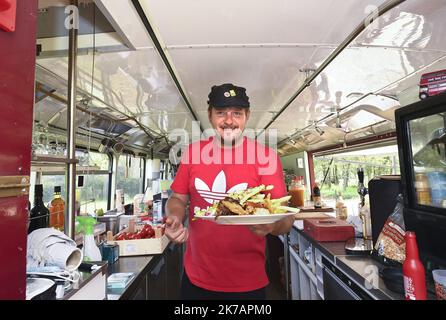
60,168
50,159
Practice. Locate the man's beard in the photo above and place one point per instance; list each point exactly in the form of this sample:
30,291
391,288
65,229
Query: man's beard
231,135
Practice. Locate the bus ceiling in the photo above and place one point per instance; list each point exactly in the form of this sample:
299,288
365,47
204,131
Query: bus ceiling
319,74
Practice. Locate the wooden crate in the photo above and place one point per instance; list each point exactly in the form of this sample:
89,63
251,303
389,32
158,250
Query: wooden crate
139,247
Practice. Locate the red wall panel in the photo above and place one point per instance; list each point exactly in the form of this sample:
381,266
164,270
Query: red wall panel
17,67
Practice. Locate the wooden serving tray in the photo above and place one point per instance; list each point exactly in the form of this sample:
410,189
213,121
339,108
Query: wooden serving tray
313,209
310,215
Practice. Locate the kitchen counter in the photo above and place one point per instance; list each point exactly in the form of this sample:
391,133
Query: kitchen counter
362,269
152,275
91,285
139,265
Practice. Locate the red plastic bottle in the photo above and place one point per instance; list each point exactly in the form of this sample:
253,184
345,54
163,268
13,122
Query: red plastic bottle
413,270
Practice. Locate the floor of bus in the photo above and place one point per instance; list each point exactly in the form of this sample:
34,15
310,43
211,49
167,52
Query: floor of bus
275,269
275,291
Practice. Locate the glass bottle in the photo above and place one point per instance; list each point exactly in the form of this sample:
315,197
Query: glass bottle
297,192
57,210
413,271
317,196
39,213
341,208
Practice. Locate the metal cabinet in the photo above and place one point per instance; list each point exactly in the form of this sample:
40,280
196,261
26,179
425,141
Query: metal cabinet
156,280
304,269
174,268
338,286
140,292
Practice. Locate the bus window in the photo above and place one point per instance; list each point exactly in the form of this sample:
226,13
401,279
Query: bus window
130,176
340,172
94,193
49,181
432,83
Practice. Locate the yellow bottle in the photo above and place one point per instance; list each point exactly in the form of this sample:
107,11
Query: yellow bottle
57,210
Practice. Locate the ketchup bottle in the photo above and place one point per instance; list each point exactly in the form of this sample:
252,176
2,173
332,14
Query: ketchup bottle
413,271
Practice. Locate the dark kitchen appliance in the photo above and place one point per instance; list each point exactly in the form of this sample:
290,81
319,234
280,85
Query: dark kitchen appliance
338,286
421,137
393,278
383,191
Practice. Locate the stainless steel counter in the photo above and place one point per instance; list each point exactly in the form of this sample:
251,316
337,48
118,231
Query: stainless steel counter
362,269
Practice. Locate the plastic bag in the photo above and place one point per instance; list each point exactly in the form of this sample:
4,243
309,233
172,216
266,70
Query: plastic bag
391,245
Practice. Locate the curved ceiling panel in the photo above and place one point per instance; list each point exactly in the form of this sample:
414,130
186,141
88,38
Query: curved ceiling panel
353,74
134,82
270,79
414,25
254,21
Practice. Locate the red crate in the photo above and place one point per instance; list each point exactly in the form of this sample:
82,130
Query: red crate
330,229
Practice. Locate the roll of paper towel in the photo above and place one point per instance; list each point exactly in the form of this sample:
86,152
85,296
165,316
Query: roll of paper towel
64,256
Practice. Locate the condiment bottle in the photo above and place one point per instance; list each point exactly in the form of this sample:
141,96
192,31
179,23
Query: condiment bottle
317,196
57,210
423,189
297,192
341,209
39,213
413,271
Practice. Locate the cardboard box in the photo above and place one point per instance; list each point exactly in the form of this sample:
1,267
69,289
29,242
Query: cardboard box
139,247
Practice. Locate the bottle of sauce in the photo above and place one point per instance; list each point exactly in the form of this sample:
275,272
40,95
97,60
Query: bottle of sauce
39,213
317,197
57,210
413,271
297,192
341,209
423,189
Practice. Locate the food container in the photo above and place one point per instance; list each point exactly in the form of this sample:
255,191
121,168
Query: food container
112,220
110,252
330,229
440,283
138,247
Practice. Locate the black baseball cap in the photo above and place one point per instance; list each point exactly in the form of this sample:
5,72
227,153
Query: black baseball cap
228,95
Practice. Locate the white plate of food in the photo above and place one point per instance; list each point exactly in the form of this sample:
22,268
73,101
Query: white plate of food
247,207
247,219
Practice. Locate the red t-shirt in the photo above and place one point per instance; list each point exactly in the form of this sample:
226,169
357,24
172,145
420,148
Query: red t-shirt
223,257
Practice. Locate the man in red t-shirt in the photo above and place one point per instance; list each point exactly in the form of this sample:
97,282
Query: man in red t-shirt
224,261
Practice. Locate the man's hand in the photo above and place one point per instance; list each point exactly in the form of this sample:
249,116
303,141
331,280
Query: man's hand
262,229
175,230
280,227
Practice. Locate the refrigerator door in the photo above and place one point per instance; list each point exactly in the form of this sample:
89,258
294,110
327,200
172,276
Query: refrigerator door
428,150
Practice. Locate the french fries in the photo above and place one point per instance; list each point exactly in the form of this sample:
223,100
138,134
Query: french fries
248,202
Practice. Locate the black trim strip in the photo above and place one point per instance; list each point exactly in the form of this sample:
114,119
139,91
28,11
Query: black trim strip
160,50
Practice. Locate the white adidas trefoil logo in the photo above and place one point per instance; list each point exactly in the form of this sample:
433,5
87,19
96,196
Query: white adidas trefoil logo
218,191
